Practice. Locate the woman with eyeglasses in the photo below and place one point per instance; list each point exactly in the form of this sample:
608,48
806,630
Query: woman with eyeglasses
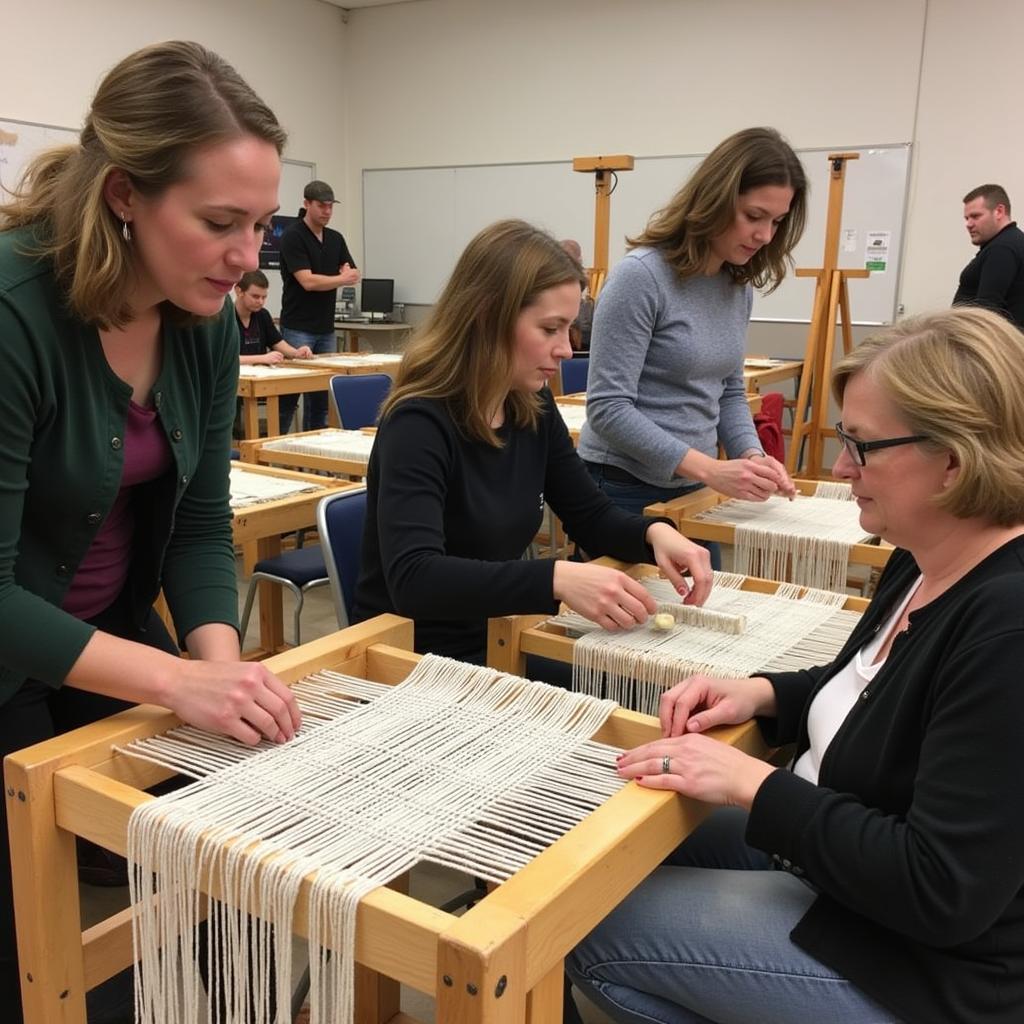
880,878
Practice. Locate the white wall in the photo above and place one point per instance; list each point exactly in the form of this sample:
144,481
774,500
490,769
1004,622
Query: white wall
482,81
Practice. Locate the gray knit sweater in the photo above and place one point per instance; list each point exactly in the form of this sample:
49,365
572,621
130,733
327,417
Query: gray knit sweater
666,369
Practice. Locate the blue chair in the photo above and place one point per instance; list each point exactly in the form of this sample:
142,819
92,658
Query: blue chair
339,521
300,570
357,398
574,375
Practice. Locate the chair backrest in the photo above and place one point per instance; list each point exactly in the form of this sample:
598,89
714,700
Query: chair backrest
574,375
339,521
357,398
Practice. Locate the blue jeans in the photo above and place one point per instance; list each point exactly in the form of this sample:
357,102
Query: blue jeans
706,938
314,406
635,497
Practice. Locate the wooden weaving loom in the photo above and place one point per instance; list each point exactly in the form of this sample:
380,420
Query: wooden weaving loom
314,451
685,514
511,638
499,963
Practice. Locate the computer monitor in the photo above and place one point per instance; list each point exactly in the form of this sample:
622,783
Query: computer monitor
378,297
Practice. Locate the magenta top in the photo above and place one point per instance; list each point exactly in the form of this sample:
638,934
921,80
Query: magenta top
102,573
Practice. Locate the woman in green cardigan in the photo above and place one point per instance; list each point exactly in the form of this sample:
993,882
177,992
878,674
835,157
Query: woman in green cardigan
118,392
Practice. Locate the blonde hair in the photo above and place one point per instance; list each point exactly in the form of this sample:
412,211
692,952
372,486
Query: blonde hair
957,378
148,117
464,354
705,207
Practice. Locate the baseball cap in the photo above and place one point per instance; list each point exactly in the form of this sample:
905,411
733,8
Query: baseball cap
319,192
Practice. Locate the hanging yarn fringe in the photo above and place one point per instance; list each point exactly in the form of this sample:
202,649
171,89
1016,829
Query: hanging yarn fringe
806,540
351,445
460,765
255,488
790,629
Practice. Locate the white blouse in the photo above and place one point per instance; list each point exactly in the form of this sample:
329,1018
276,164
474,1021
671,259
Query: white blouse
834,701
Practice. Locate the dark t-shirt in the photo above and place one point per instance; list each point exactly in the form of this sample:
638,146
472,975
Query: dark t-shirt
448,520
260,336
995,277
301,250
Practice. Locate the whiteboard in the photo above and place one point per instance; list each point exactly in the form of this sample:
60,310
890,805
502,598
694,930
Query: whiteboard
417,220
22,140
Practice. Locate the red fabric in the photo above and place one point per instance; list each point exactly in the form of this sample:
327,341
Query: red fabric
768,423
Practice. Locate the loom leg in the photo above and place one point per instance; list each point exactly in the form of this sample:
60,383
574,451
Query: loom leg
44,872
250,418
504,649
378,997
481,969
544,1003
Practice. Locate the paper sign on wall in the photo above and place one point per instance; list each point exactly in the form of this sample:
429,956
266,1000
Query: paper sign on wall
876,251
849,239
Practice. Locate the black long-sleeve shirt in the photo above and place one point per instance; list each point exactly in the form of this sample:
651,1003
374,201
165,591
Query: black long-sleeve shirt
995,277
915,834
448,520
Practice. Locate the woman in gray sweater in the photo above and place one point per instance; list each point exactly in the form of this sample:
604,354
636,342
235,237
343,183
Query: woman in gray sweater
665,382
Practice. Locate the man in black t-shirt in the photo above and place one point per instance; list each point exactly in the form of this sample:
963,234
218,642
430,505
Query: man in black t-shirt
995,277
315,262
259,338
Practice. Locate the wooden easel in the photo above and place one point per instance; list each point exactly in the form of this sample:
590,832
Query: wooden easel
831,299
602,167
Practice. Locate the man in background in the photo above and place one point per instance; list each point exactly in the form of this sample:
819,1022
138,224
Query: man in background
995,277
315,263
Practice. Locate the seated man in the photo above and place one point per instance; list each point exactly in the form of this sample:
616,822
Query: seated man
260,340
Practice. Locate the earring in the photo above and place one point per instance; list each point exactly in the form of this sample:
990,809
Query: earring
126,231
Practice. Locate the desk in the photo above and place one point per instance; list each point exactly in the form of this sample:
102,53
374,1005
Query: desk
760,370
256,452
258,528
269,382
349,332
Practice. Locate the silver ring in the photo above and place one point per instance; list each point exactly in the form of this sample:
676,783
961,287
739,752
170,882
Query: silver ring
665,765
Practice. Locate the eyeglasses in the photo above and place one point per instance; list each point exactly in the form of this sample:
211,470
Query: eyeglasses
857,450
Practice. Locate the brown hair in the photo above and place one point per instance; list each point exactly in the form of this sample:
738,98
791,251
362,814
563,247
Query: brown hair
706,206
148,117
957,378
992,194
464,353
252,277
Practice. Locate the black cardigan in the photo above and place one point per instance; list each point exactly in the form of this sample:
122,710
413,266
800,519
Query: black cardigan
915,834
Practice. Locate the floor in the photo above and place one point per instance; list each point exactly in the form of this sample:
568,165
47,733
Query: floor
431,884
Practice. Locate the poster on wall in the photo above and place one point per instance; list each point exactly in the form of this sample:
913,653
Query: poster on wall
876,251
270,250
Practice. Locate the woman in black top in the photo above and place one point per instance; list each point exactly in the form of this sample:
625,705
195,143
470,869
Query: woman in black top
470,448
897,837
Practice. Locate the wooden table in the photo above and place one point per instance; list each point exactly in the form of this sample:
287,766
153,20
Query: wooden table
755,376
258,528
290,379
499,963
350,331
345,363
256,452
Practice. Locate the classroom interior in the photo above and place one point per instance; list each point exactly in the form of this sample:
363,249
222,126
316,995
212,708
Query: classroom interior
442,83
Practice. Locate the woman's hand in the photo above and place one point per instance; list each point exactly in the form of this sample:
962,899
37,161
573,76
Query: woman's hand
240,699
700,703
698,767
606,596
753,478
675,555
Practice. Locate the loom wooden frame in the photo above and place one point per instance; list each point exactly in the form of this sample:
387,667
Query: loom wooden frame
291,380
255,453
499,963
683,511
511,638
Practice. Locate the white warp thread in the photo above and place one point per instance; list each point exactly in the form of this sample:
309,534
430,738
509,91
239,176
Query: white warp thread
355,360
782,632
460,765
350,445
249,488
574,414
806,541
257,371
